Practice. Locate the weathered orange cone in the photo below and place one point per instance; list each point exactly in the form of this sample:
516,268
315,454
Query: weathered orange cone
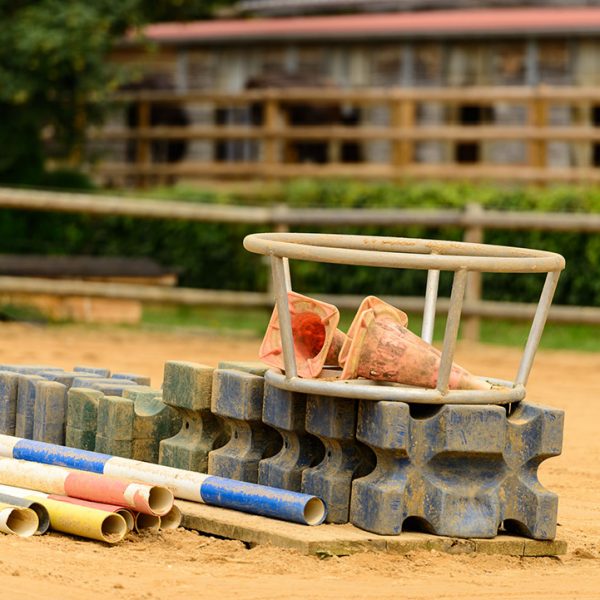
381,348
317,341
378,308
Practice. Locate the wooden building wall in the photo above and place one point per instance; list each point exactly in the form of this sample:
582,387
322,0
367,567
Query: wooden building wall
496,62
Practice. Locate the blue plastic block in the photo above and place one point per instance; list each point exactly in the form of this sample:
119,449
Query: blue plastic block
139,379
237,397
29,369
286,412
25,405
458,470
333,421
85,380
64,377
98,371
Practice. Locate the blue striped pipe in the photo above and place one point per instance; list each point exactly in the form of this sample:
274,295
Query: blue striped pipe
186,485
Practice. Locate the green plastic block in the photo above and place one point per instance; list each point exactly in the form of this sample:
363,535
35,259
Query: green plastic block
253,367
76,438
115,418
187,385
49,412
82,408
187,388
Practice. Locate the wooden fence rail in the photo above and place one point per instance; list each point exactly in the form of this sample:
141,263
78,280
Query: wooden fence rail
274,136
474,221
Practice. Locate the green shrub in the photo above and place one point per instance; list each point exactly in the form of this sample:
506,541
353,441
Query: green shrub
210,255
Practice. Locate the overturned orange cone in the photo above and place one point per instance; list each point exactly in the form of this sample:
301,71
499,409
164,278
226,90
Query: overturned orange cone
317,341
380,347
378,308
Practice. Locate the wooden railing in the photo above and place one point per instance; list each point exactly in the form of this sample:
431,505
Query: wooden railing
403,129
474,221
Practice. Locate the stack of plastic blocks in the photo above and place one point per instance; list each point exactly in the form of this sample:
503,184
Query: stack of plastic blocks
85,408
456,470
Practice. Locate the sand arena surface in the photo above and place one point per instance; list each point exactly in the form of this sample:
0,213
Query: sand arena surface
181,563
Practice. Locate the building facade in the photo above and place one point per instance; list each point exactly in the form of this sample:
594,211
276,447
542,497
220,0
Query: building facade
507,47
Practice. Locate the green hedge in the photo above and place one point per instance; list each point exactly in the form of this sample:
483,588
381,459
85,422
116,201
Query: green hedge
212,256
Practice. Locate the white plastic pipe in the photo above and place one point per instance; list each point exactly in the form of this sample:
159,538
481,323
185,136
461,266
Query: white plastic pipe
149,499
18,520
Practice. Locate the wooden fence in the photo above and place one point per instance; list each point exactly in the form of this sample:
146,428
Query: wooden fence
474,221
272,133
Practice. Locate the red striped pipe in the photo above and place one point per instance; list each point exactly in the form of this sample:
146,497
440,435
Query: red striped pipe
147,499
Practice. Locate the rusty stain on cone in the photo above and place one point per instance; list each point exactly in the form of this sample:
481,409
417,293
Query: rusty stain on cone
317,341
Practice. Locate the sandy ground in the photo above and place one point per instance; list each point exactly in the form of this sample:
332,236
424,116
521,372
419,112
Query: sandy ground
181,563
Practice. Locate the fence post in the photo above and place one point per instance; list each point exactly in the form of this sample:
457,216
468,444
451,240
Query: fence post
402,118
142,155
271,122
538,119
471,324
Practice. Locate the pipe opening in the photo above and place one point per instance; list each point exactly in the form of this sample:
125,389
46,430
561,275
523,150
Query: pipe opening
314,511
114,528
127,516
146,522
22,522
172,520
43,517
160,500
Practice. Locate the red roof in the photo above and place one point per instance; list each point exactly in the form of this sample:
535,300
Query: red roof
517,21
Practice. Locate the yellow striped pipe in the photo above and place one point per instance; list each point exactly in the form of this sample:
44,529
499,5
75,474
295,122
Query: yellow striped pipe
83,521
18,520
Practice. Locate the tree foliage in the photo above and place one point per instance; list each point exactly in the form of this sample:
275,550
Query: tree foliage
55,76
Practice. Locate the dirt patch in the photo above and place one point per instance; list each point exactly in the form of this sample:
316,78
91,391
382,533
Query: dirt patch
180,563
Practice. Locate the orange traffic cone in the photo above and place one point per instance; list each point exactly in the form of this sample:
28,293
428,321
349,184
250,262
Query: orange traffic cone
378,308
380,347
317,341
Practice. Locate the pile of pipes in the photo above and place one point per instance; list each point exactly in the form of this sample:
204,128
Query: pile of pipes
128,422
35,497
101,497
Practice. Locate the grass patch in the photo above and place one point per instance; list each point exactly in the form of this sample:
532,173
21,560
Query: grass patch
253,321
22,312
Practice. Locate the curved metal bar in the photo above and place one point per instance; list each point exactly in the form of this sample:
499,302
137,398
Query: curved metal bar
372,390
374,251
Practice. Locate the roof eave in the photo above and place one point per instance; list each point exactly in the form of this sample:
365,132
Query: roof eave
193,40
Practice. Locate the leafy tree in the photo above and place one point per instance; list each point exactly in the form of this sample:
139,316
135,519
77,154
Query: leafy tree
55,77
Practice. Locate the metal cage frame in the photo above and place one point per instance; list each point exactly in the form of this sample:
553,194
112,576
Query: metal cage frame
408,253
